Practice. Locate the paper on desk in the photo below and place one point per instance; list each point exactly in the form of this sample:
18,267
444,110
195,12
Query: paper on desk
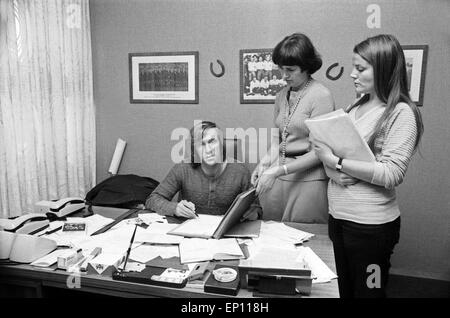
127,222
145,253
203,226
149,218
273,257
112,241
93,223
277,234
49,259
199,250
320,271
156,233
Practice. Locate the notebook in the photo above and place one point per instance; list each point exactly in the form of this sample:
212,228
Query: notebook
215,226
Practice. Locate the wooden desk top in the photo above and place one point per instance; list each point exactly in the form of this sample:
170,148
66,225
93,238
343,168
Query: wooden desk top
98,284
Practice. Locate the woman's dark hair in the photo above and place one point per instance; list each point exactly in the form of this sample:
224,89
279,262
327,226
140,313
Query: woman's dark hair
197,132
385,54
297,49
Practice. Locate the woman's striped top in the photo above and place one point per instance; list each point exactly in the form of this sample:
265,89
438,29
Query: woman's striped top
375,202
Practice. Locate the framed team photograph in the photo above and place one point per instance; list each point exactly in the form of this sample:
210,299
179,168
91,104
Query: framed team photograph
260,78
416,63
163,77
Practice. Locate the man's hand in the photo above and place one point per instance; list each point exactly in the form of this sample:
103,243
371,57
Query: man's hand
185,209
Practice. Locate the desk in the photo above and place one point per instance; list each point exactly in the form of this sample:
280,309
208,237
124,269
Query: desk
36,280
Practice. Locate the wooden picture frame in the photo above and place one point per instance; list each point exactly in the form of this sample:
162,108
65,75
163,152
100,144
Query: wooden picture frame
416,64
163,77
258,92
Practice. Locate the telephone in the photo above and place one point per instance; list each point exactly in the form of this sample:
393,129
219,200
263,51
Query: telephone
67,206
61,207
25,224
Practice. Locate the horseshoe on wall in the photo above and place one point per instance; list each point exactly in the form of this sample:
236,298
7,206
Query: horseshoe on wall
334,78
211,68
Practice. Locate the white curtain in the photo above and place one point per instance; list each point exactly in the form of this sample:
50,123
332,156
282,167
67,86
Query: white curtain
47,116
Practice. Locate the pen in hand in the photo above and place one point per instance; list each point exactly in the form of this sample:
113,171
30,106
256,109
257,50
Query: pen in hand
189,206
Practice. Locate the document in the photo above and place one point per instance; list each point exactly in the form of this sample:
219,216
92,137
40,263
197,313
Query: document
200,250
149,218
320,272
203,226
156,233
269,257
145,253
337,130
213,226
277,234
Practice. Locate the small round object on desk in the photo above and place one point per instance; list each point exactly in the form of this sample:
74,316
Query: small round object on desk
225,274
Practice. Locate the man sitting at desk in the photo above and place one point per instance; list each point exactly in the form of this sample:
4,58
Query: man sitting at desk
208,184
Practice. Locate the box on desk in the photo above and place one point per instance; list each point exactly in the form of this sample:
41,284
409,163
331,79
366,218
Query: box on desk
213,285
170,277
276,281
105,264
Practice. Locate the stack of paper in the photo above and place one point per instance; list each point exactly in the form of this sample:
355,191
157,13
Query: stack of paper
337,130
49,259
320,271
274,257
279,235
200,250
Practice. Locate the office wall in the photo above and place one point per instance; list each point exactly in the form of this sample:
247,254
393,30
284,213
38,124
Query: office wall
218,29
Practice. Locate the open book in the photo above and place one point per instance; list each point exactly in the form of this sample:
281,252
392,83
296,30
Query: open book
337,130
200,250
215,226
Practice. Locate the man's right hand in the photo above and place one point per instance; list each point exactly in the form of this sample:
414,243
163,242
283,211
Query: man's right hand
185,209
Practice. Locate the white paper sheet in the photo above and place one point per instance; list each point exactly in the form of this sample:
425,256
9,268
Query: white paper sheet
320,271
199,250
145,253
49,259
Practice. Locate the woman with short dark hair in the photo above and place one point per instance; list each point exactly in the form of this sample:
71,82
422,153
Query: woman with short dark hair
290,179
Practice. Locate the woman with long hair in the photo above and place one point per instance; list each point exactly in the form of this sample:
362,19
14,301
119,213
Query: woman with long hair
364,222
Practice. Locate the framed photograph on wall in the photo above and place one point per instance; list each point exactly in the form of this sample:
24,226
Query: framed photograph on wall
164,77
416,62
260,78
